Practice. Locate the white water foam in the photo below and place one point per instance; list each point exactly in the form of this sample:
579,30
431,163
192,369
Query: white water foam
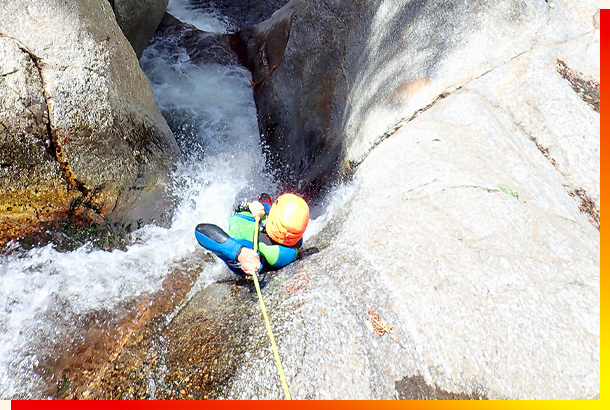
206,19
44,291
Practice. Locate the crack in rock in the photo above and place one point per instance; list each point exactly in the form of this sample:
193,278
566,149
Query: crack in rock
54,147
587,90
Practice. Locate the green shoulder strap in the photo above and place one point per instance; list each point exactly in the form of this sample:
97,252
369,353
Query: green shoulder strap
240,227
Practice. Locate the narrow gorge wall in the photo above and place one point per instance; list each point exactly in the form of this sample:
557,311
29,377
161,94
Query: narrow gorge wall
354,72
139,20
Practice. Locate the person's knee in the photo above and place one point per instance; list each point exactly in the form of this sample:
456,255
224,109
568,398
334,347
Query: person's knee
212,232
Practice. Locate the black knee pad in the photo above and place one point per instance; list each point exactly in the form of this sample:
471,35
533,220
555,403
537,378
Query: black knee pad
213,232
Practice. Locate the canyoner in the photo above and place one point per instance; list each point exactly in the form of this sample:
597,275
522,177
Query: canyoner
283,224
275,229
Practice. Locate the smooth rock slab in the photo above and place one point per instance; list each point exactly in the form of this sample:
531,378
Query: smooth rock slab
546,107
490,293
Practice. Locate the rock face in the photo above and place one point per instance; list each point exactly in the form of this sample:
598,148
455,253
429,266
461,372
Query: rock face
355,71
139,20
463,233
79,121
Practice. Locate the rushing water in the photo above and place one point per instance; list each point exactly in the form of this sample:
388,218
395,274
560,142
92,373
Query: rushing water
206,19
45,294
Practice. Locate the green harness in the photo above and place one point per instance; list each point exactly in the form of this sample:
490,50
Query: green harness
241,228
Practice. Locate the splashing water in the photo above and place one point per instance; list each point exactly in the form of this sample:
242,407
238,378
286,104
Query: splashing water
206,19
212,113
46,295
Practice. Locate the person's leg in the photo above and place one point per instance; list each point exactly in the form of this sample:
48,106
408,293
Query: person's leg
214,239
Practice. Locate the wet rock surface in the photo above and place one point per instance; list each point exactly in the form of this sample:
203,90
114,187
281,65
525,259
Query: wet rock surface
192,357
138,20
85,110
117,351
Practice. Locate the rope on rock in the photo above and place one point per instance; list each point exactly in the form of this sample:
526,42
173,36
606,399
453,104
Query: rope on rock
267,323
263,80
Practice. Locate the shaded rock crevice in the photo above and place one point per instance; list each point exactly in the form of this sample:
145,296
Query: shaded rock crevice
587,89
138,19
261,48
416,388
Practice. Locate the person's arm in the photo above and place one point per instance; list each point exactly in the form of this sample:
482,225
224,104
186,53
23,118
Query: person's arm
214,239
278,256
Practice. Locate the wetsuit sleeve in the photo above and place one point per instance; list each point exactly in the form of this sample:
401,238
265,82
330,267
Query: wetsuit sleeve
218,241
278,256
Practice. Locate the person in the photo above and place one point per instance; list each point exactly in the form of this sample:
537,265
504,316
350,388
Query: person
283,223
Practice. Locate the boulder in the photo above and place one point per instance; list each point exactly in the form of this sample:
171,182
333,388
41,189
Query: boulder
75,99
139,20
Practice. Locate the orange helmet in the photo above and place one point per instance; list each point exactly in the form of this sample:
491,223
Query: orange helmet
287,219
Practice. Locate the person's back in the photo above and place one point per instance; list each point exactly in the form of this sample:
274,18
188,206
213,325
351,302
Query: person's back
283,223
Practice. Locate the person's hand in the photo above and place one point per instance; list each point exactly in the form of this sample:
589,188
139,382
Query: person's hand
256,209
250,263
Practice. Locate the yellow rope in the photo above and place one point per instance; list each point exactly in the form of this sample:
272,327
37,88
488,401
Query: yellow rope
267,324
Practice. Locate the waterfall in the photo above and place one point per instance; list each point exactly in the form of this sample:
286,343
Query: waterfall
205,19
45,294
48,297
